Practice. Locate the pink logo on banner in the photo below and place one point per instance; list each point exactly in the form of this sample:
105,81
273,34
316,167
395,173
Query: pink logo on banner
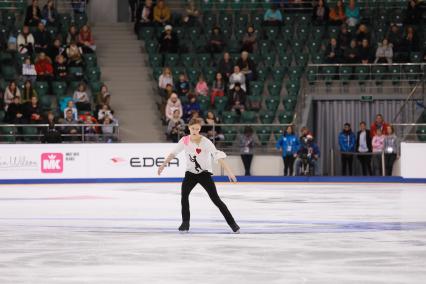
52,163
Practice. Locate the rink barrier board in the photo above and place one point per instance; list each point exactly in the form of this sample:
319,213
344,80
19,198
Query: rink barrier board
241,179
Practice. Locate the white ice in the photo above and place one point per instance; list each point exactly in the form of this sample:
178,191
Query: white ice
290,233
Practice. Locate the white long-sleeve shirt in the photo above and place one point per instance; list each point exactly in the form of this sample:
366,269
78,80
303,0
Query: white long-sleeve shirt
198,156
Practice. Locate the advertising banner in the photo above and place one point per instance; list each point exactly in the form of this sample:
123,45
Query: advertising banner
62,161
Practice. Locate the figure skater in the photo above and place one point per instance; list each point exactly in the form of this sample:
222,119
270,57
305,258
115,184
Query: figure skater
200,150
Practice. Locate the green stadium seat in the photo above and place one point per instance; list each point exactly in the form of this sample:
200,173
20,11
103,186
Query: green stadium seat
204,102
96,86
329,74
264,134
171,60
274,89
266,117
278,74
230,134
146,33
11,132
220,103
345,73
59,88
416,57
395,74
93,74
75,73
262,73
289,104
46,103
41,88
254,102
204,60
155,60
285,117
229,117
272,104
256,88
248,117
9,72
421,133
378,74
90,60
31,133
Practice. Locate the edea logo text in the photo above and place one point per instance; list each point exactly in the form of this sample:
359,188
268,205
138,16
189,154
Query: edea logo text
52,163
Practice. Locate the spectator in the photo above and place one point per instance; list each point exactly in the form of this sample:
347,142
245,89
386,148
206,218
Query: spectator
44,68
32,111
133,4
249,41
226,66
162,14
104,96
413,14
173,104
347,148
144,16
72,108
211,129
237,99
247,66
218,88
192,14
60,69
362,33
391,148
55,49
25,41
49,13
28,70
379,123
337,14
3,41
176,126
75,58
191,107
289,145
237,77
201,88
352,14
169,42
364,148
378,146
41,38
273,16
364,52
104,112
86,40
108,129
90,130
79,6
168,91
182,86
216,42
410,42
320,13
33,14
333,53
246,148
15,112
28,92
351,54
308,154
71,131
72,35
51,134
81,98
344,38
165,78
10,92
384,52
395,38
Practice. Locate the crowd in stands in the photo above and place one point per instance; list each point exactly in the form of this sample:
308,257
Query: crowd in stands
57,78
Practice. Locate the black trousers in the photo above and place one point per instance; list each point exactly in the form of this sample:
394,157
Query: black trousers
288,165
389,161
247,163
365,161
347,160
206,181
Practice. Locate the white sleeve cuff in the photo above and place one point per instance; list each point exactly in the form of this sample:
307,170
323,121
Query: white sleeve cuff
218,155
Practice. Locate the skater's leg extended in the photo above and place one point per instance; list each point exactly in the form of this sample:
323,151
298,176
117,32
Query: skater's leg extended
189,182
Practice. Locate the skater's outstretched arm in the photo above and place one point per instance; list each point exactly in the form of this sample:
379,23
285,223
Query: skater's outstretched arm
166,162
228,170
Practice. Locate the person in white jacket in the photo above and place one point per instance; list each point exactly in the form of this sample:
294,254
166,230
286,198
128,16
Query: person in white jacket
199,152
384,52
25,41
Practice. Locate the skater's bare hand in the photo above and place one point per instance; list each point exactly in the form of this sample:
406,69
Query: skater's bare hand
232,178
160,169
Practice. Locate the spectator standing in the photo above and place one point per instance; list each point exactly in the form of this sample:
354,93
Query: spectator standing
308,154
378,147
289,145
391,149
379,123
337,14
347,148
144,16
247,148
364,148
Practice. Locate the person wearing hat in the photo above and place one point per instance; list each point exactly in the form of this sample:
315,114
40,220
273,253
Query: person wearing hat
347,147
308,154
169,42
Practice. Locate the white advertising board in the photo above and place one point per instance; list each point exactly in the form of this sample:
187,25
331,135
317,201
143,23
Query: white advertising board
413,157
59,161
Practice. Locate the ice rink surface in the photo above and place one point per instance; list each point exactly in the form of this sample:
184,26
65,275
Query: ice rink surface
290,233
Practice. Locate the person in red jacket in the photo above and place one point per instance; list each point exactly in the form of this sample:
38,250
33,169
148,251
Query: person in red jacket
379,123
44,68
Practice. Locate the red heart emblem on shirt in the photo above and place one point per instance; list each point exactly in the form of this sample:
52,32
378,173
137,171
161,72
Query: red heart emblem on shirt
198,150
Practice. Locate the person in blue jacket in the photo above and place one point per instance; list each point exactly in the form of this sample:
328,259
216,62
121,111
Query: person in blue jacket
288,144
308,153
347,141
